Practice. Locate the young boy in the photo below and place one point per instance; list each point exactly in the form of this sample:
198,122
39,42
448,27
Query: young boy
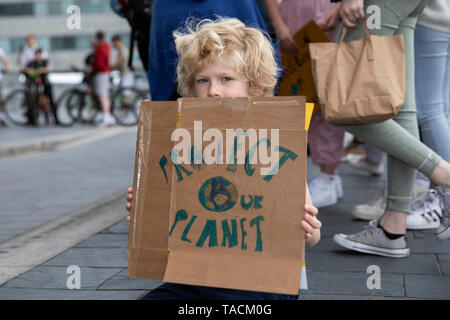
224,58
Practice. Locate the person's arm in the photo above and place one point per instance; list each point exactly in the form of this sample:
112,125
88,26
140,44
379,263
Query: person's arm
351,12
6,63
117,63
282,31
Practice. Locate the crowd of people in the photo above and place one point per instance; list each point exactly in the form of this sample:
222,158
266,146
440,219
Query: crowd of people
33,61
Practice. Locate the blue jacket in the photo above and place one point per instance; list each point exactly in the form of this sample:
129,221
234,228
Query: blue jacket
170,15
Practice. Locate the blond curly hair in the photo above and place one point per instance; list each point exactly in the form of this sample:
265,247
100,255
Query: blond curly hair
248,49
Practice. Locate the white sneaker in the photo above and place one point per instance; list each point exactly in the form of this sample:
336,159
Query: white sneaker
374,208
107,121
425,212
326,190
362,164
420,188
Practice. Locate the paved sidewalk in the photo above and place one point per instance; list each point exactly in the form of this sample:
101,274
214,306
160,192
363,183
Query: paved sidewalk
16,140
332,272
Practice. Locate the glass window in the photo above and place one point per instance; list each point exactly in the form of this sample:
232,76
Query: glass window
62,43
16,9
83,42
16,44
4,44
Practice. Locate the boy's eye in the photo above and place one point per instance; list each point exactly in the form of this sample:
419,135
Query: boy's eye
200,81
226,79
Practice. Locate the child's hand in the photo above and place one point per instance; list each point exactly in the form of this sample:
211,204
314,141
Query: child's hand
310,223
129,199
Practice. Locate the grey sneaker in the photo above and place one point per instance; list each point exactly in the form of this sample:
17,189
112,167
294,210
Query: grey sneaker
373,240
443,231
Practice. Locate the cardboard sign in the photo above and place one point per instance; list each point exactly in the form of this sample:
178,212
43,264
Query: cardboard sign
217,220
297,78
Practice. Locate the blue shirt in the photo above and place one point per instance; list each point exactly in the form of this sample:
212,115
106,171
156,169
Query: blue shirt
170,15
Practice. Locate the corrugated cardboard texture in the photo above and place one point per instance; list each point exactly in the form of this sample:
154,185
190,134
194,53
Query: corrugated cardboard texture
255,241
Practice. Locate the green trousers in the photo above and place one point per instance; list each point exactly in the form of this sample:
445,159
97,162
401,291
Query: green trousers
399,136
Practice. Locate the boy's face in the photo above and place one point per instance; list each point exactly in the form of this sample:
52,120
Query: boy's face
218,79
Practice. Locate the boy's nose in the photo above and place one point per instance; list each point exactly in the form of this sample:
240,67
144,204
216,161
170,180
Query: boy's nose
214,90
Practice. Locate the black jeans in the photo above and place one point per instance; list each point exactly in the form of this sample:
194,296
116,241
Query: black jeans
173,291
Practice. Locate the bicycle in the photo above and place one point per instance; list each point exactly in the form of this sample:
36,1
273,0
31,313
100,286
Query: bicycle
29,105
81,104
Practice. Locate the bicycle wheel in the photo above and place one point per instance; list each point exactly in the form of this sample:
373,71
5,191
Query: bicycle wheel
68,106
16,107
89,109
125,105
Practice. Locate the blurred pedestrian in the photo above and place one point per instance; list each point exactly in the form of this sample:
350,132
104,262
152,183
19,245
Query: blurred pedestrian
28,52
169,15
432,77
139,16
100,69
5,62
121,64
38,70
398,137
325,140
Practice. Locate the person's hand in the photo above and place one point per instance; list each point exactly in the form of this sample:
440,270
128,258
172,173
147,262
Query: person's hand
284,35
331,18
129,198
351,12
310,223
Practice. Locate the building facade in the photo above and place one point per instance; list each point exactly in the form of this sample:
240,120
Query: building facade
54,22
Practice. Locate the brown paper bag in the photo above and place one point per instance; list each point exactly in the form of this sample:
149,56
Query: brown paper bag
297,78
360,81
220,225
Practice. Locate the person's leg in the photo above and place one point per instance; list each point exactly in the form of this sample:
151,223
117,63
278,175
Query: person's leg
49,93
326,147
102,90
432,54
398,137
175,291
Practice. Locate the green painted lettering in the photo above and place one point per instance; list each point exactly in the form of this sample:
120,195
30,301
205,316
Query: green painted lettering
258,231
181,215
231,236
210,230
244,233
288,154
186,230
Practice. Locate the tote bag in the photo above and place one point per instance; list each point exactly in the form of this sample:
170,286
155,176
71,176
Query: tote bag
360,81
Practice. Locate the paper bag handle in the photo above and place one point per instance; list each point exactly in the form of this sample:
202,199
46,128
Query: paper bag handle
367,40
